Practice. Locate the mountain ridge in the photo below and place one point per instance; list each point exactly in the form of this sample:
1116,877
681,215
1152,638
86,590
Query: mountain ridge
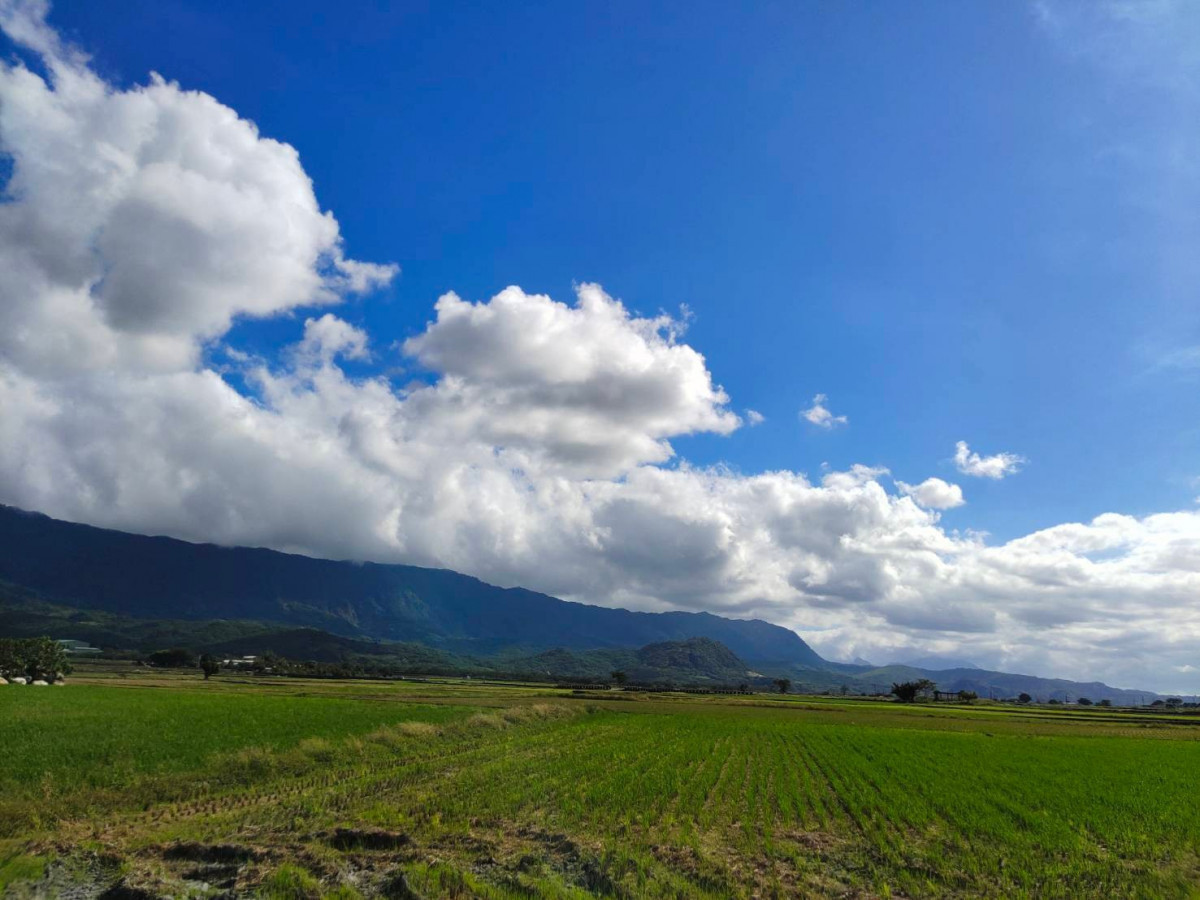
143,577
153,578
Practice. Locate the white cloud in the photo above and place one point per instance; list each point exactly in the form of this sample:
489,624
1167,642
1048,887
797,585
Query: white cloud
996,466
589,387
329,336
534,456
143,221
818,415
933,493
754,417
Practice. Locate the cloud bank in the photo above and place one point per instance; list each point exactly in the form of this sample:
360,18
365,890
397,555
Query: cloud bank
139,224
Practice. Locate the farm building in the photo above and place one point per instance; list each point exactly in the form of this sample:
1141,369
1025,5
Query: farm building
77,648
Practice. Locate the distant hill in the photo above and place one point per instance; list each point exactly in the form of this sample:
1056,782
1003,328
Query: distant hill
154,577
936,663
694,661
1004,685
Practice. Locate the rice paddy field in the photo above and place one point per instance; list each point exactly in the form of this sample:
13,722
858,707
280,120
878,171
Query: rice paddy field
129,785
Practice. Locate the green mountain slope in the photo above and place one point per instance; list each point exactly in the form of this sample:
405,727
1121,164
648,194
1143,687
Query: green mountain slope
152,577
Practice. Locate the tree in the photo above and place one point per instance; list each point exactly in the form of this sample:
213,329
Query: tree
11,661
908,691
1105,702
905,691
46,659
619,676
39,658
1084,701
209,665
1024,698
1174,702
967,695
784,684
175,658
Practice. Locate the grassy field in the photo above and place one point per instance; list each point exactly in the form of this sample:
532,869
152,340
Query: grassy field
169,786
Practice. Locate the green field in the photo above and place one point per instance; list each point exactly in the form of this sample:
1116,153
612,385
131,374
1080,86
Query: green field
173,787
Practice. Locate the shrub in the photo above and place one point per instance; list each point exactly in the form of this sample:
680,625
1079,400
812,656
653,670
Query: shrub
318,748
487,720
252,764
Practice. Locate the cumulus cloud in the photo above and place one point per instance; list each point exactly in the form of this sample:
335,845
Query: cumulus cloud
933,493
538,452
329,336
820,416
141,222
754,417
587,386
995,467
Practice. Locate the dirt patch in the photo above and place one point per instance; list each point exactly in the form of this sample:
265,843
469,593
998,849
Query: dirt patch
123,891
819,842
194,851
220,875
577,864
687,862
367,839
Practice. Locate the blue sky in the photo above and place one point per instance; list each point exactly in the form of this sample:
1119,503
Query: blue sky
966,222
912,214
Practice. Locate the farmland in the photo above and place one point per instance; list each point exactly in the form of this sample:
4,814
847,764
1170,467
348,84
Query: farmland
172,786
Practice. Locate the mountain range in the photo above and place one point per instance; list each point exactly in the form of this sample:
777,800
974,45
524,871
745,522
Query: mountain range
125,591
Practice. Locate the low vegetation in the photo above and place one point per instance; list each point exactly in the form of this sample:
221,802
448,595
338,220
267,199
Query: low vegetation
170,785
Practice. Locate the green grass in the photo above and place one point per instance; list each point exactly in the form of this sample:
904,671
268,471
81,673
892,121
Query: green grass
544,795
92,736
